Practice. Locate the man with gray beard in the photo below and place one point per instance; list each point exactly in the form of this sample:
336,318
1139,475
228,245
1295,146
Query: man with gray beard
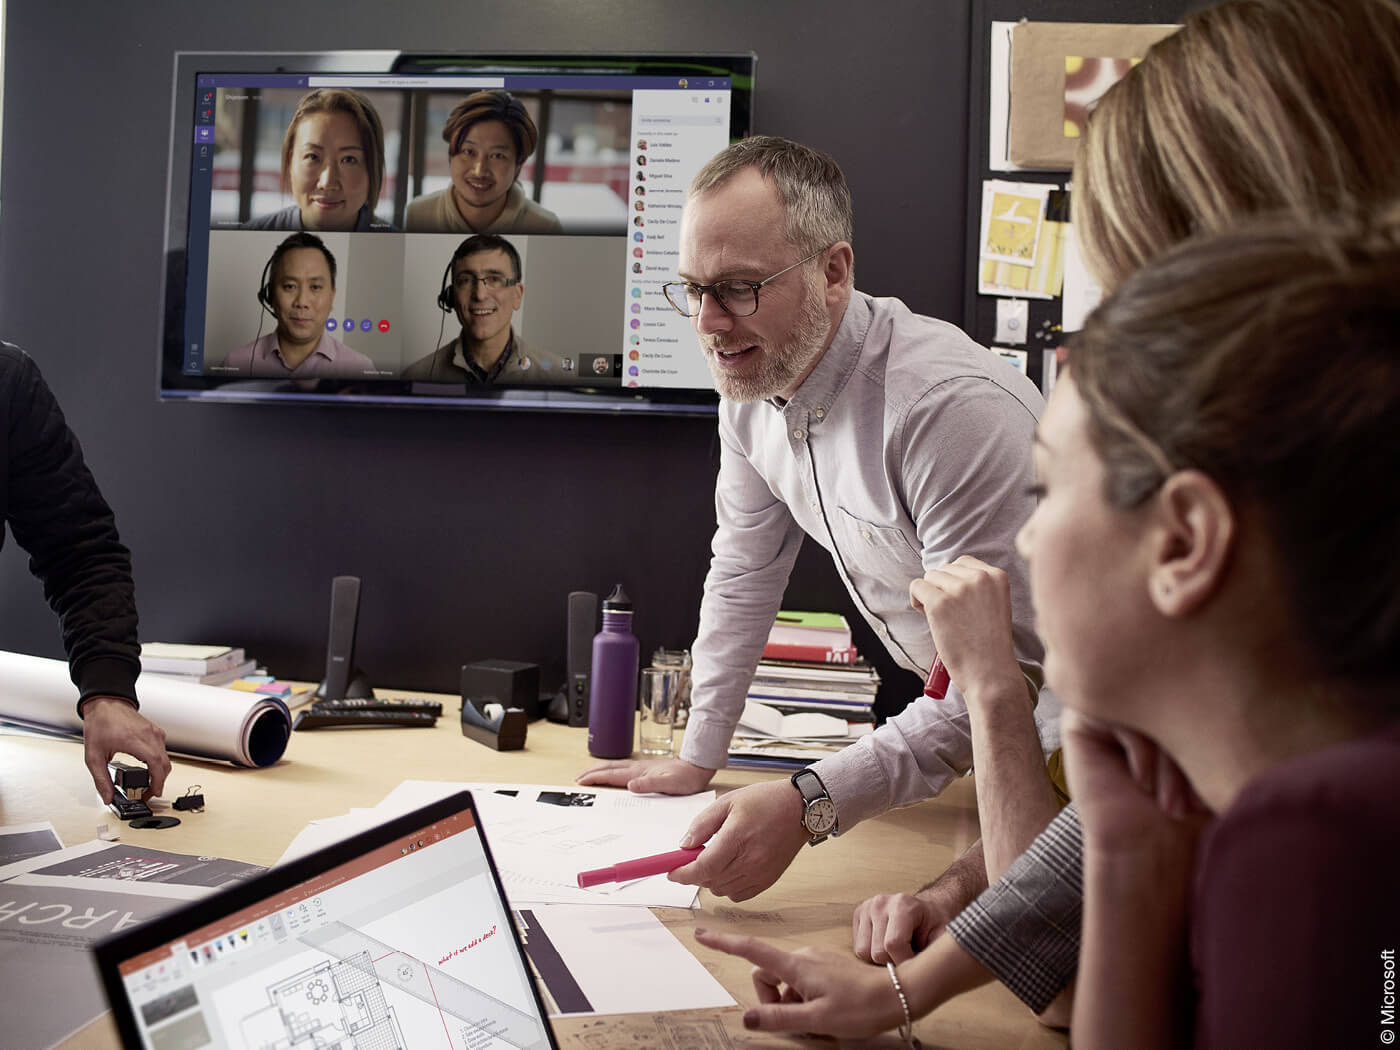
893,440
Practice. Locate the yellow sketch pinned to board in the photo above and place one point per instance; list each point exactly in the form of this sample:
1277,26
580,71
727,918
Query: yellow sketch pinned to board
1013,227
1021,250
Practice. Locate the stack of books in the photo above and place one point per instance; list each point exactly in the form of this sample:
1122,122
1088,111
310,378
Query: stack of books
812,694
811,637
199,664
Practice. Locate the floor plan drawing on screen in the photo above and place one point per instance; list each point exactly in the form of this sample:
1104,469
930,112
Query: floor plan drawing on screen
355,997
332,1004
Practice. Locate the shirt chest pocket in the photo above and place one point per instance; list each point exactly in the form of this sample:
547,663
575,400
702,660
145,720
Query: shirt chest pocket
878,550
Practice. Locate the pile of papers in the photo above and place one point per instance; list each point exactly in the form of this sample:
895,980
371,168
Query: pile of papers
57,902
768,738
542,836
816,637
811,694
608,952
846,691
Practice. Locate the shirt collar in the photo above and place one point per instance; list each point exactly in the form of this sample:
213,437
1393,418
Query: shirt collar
479,374
823,386
515,205
324,347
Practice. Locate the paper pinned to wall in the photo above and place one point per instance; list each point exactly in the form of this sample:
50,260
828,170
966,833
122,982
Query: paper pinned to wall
1013,316
1019,251
1036,89
1011,218
1082,291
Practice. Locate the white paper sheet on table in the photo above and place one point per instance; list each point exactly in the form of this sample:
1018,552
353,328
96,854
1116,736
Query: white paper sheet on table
541,842
618,961
534,826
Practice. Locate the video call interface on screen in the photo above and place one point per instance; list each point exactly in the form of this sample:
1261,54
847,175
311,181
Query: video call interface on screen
407,945
329,211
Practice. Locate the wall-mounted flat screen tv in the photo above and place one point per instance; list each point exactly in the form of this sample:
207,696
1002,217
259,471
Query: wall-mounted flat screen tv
477,231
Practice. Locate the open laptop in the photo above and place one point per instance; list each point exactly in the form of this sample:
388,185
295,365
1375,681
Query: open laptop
398,937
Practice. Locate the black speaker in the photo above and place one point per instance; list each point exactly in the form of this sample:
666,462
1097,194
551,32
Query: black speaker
583,625
343,679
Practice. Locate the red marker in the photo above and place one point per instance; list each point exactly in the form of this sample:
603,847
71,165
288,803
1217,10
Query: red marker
936,685
636,869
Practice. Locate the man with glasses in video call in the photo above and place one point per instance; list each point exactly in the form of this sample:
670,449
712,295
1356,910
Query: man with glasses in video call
894,440
482,286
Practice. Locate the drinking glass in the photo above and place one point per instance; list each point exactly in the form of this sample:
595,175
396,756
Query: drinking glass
659,693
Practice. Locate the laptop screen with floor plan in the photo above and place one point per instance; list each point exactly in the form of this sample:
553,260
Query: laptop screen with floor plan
397,937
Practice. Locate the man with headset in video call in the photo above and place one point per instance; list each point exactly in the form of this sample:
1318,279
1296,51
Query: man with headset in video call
298,289
482,286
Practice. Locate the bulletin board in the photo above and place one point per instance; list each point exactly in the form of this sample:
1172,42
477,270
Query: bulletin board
1009,245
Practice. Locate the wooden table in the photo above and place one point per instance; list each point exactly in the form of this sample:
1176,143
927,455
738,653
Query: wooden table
252,814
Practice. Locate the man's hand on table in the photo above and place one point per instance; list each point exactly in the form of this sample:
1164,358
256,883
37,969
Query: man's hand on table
664,776
110,725
893,927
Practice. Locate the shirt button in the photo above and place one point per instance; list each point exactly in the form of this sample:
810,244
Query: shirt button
865,534
821,413
816,506
799,433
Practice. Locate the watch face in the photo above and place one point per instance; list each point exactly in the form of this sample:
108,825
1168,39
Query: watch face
820,817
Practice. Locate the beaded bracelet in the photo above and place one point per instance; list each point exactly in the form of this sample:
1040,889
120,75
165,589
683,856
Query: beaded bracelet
906,1030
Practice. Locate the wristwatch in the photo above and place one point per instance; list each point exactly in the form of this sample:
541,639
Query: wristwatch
819,812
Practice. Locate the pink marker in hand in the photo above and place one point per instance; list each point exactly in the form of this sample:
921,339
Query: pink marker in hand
656,864
936,685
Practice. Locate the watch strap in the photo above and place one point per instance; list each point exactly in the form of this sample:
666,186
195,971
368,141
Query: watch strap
809,785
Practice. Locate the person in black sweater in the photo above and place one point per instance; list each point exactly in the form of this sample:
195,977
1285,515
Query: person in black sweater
52,505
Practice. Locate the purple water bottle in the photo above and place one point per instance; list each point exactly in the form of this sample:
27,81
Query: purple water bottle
612,704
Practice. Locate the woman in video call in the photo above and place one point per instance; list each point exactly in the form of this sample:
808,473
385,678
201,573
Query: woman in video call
332,164
489,138
299,293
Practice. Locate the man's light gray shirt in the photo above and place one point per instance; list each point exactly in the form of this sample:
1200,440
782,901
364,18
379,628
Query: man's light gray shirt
907,446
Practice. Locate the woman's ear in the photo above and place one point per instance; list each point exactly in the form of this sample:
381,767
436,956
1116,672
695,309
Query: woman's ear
1190,542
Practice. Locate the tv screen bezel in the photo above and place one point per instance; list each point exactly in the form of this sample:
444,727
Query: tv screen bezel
175,386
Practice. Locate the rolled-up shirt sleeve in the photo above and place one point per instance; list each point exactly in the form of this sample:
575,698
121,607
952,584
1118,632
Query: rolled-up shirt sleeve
1026,927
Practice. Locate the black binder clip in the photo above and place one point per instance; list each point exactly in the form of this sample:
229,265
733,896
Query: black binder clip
502,728
191,800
